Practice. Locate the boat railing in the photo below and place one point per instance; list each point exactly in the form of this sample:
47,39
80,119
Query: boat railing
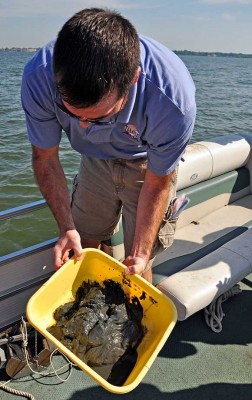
20,211
23,209
23,271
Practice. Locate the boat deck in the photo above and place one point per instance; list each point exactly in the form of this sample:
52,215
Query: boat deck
194,364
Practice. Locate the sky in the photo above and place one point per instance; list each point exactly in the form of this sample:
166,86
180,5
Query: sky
196,25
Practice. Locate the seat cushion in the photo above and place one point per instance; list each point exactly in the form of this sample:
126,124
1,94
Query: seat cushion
196,286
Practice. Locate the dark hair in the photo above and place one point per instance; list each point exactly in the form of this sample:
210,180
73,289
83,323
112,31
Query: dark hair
97,51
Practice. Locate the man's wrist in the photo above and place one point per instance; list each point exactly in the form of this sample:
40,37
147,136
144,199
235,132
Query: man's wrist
140,254
67,228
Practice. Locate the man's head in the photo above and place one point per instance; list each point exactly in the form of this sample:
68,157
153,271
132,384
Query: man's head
96,55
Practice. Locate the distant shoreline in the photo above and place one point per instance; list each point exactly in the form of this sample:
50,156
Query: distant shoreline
28,49
211,54
178,52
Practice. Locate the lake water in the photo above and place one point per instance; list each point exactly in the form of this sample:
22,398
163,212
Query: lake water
224,99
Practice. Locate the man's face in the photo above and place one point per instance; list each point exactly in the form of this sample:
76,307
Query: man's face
100,112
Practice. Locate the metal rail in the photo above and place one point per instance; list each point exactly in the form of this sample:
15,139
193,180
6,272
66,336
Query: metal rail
20,210
15,294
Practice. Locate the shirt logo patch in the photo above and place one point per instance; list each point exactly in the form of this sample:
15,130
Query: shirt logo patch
132,132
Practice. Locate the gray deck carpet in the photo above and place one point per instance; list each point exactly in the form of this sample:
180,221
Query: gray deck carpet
194,364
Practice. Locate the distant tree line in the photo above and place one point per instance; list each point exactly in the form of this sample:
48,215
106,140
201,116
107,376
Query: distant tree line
211,54
20,49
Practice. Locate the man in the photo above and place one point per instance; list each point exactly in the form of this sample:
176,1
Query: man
127,104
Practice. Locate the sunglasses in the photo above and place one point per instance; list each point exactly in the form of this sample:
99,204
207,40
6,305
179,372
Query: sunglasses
93,121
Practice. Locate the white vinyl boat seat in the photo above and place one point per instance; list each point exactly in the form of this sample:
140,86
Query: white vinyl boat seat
211,251
198,277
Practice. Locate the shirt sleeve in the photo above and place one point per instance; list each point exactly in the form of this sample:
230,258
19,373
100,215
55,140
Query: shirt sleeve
43,128
168,133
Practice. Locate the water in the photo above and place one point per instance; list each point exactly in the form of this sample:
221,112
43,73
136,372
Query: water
224,98
224,95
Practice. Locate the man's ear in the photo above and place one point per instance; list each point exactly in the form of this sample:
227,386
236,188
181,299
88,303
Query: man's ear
137,76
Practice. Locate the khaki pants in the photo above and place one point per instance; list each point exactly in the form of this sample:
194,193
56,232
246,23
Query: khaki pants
104,190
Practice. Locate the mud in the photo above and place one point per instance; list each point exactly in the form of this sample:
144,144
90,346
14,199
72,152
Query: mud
103,328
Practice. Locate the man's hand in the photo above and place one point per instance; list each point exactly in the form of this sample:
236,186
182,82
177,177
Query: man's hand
70,240
135,265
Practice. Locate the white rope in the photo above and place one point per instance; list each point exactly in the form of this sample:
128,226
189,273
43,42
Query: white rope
48,373
214,313
16,392
69,364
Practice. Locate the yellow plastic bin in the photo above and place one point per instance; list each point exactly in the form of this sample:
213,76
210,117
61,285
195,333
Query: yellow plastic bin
159,311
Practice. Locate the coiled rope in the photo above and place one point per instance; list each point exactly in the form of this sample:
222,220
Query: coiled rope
214,313
54,372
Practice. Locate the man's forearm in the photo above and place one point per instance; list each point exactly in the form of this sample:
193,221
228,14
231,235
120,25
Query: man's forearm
151,208
52,183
